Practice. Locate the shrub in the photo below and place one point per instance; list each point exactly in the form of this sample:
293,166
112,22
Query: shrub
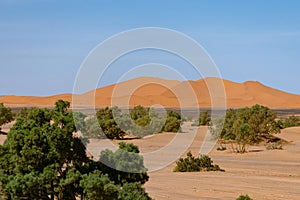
204,119
244,197
174,114
133,191
172,124
139,112
93,129
245,126
274,145
221,148
124,165
147,121
6,115
192,164
108,124
291,121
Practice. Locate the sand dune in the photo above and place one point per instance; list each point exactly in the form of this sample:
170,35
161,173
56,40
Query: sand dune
148,91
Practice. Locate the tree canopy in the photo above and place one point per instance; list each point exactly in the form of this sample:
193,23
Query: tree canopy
246,126
6,115
42,159
204,119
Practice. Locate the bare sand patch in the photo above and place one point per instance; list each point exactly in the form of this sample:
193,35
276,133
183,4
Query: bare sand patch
268,174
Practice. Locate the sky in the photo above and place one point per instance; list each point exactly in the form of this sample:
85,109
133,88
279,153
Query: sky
44,42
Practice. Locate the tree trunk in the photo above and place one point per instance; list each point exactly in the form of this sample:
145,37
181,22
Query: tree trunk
52,191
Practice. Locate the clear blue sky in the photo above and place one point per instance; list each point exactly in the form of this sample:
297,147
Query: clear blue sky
43,42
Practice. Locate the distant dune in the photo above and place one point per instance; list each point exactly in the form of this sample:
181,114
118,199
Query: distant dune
148,91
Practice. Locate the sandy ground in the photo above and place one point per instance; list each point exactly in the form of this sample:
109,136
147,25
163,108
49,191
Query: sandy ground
262,174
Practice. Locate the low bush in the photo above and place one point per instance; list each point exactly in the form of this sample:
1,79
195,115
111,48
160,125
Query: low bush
291,121
274,145
244,197
221,148
192,164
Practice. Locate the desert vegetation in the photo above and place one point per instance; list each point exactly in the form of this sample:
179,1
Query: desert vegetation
245,126
290,121
244,197
6,115
204,119
193,164
112,123
41,159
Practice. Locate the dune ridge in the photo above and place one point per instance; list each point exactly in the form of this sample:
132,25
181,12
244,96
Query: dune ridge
149,91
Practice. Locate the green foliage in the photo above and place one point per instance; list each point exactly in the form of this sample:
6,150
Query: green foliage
172,125
192,164
39,153
204,119
111,123
245,126
291,121
79,119
129,147
147,121
124,165
6,115
173,122
23,113
98,186
244,197
174,114
108,124
132,191
139,112
41,159
93,129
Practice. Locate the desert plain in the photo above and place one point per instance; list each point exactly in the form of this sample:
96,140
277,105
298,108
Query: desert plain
260,173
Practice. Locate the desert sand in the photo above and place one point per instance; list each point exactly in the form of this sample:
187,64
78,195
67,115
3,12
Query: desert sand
262,174
147,91
267,174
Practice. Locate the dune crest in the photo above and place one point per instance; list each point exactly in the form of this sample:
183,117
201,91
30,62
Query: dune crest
148,91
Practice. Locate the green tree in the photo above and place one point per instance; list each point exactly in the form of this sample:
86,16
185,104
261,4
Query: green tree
97,186
23,113
139,112
204,119
246,126
132,191
173,122
291,121
40,158
174,114
6,115
92,129
124,165
108,124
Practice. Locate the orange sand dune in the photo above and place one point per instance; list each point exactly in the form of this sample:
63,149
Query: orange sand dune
148,91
